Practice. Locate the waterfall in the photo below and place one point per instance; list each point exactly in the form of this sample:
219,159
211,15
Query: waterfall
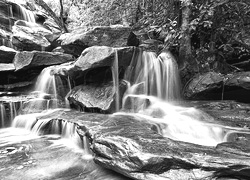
115,75
42,126
20,12
51,90
2,115
149,75
8,111
154,92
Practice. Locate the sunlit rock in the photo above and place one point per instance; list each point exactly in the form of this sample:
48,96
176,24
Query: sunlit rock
4,67
26,60
113,36
96,97
31,36
103,56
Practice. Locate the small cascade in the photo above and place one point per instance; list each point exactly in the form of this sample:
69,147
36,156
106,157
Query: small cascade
20,12
38,126
149,75
51,90
8,111
115,75
153,90
2,115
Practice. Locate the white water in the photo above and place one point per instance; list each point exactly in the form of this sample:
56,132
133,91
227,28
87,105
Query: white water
154,91
2,115
115,75
151,76
22,12
52,89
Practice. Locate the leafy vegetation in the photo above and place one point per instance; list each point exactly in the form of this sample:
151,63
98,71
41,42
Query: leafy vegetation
217,30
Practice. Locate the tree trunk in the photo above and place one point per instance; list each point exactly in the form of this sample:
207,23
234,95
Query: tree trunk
185,51
61,16
59,21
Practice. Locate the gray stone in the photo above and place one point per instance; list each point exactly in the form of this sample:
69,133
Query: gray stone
29,36
113,36
104,56
26,60
96,97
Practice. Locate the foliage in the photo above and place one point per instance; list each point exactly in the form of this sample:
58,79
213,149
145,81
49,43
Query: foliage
218,29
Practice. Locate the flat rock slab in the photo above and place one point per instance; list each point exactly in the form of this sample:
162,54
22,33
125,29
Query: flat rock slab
26,60
27,156
5,67
132,146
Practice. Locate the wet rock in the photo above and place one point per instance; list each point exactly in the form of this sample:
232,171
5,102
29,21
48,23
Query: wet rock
204,83
7,54
104,56
26,60
240,79
132,146
113,36
129,145
29,36
96,97
216,86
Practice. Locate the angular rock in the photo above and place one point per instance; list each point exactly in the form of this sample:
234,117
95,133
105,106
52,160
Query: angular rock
240,79
216,86
104,56
204,83
96,97
25,60
113,36
29,36
130,145
7,54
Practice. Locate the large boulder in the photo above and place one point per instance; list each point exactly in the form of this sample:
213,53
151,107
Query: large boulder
216,86
28,36
131,145
240,79
204,83
113,36
7,54
26,60
104,56
97,97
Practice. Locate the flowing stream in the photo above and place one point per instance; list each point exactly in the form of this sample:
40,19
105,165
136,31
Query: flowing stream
34,148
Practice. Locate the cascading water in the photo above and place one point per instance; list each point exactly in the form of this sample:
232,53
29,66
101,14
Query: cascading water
115,75
149,75
153,90
18,11
51,91
2,114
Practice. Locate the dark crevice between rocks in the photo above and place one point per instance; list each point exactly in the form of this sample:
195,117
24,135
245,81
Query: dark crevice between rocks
241,173
228,93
